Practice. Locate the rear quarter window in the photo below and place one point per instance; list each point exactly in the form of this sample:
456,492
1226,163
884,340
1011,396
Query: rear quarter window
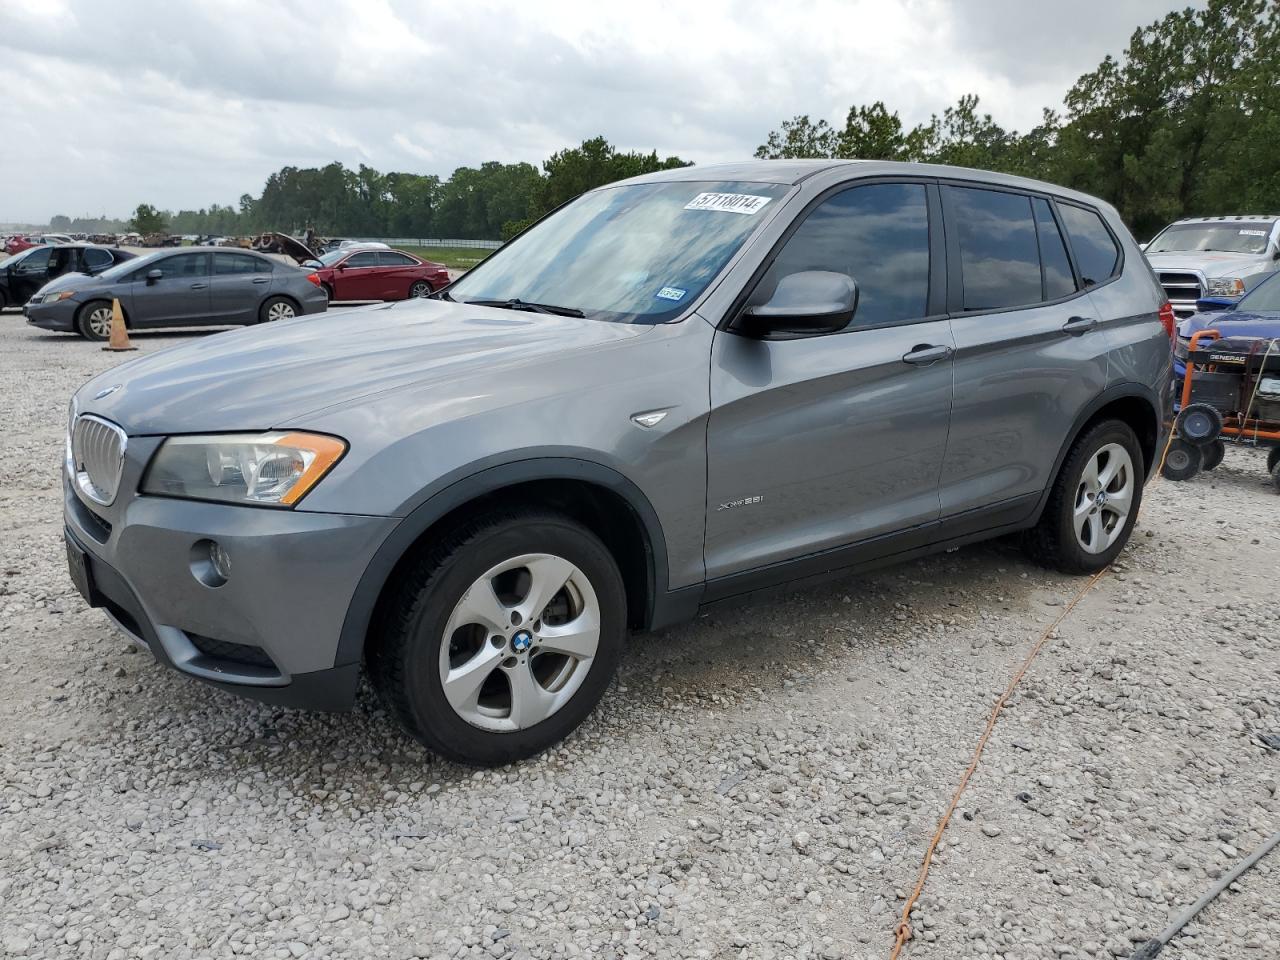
1097,255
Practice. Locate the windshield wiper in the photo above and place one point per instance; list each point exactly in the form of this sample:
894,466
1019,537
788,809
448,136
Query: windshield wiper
517,304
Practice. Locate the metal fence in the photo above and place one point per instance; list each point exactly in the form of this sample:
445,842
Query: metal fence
434,242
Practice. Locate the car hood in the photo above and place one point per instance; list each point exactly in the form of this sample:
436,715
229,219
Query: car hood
71,281
1234,324
269,376
1211,263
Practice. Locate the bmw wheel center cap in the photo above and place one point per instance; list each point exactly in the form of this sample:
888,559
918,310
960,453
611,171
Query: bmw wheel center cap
522,641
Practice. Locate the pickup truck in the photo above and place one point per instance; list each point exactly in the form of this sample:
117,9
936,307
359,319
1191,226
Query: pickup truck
1218,257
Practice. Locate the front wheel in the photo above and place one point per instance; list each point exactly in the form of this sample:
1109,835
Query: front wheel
1093,503
93,320
501,639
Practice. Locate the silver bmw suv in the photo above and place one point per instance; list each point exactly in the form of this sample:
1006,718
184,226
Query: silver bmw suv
673,392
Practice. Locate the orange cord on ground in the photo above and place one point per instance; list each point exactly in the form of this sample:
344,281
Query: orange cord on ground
902,933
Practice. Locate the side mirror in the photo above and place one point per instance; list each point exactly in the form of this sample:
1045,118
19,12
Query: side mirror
342,266
805,304
154,275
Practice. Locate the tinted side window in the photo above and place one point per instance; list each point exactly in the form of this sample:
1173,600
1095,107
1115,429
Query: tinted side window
1096,253
369,259
96,259
1058,281
225,263
37,262
879,235
999,257
392,259
184,265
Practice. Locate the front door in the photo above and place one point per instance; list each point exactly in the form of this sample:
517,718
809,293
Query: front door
179,296
827,441
356,278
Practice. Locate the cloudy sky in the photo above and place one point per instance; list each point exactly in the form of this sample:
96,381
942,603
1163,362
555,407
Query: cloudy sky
181,104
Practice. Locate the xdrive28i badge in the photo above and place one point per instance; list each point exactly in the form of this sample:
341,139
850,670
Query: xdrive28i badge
744,502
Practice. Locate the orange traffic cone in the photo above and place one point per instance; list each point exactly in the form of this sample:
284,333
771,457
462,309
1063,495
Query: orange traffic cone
119,334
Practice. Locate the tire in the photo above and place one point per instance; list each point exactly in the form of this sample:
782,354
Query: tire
1182,461
4,302
93,320
277,308
419,288
1199,423
1093,503
1212,454
1275,477
328,292
436,622
1273,458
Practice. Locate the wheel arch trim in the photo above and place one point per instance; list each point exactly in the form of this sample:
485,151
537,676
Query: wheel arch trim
1119,391
433,506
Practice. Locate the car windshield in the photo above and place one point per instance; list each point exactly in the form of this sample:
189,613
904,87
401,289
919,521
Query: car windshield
1237,236
636,253
1264,298
120,269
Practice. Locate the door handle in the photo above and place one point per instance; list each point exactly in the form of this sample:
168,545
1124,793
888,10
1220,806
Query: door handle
926,353
1078,325
198,286
261,279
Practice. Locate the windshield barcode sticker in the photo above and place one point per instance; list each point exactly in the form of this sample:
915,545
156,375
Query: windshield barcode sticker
1253,233
746,203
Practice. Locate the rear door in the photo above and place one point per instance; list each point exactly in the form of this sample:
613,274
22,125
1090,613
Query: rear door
398,274
239,283
179,297
356,278
827,441
1031,351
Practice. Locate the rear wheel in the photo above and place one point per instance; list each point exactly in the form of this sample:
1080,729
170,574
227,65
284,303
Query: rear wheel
501,639
420,288
1093,503
1182,461
276,308
93,320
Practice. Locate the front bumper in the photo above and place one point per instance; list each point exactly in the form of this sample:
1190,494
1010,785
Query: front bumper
60,316
271,630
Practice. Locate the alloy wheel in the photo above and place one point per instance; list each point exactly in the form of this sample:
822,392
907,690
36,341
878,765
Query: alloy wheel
100,321
1104,498
420,289
520,642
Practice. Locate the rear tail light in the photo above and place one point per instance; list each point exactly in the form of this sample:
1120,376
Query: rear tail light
315,278
1168,320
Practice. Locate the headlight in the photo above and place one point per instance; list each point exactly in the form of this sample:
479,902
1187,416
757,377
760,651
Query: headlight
270,469
1226,287
55,297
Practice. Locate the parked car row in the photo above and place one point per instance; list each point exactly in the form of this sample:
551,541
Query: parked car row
70,287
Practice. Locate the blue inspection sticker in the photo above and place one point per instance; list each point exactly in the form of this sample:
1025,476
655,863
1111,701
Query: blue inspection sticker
670,293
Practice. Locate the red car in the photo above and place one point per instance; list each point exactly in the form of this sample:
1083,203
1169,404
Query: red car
17,243
356,274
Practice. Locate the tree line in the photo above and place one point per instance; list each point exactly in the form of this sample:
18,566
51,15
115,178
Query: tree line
1185,122
492,201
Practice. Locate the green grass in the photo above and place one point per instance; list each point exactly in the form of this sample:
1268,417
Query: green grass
455,258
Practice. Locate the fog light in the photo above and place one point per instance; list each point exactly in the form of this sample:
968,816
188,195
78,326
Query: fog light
210,563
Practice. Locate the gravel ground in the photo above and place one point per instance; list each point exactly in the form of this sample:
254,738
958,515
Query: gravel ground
758,784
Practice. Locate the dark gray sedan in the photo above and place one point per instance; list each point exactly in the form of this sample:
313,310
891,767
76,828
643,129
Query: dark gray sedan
178,288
